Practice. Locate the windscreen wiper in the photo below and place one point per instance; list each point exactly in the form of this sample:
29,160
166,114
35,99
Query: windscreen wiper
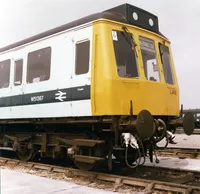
130,37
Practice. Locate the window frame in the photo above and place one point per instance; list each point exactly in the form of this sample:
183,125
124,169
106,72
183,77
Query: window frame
10,67
160,45
89,57
135,53
27,64
19,59
156,57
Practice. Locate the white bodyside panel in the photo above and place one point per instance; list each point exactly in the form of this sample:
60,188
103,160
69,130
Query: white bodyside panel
82,108
48,111
78,80
62,77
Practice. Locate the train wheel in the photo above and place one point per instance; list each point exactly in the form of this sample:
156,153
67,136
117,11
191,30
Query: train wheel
85,166
26,154
87,151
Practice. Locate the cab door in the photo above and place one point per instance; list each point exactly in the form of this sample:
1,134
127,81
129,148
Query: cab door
172,93
81,72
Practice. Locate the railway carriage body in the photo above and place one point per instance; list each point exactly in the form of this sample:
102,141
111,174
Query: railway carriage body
83,71
109,70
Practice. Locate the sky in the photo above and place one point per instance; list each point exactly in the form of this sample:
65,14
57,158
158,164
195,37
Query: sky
178,20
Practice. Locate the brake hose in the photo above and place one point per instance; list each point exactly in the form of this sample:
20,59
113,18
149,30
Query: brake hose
142,152
126,156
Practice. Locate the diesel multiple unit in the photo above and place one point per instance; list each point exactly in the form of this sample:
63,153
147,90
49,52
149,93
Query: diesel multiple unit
99,89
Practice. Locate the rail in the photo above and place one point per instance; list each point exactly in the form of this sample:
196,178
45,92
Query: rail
147,186
192,153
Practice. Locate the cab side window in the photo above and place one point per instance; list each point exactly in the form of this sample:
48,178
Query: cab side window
18,72
125,55
82,57
149,58
5,73
166,64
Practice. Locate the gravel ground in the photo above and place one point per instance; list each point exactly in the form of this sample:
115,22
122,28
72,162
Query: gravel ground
25,181
22,183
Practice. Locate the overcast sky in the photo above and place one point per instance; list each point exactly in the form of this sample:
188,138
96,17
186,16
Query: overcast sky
179,21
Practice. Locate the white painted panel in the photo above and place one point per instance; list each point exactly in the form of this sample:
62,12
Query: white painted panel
62,73
6,91
62,109
5,113
82,35
17,90
82,108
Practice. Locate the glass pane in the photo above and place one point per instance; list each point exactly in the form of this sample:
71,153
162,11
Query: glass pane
164,50
149,59
38,67
18,72
125,55
82,57
4,73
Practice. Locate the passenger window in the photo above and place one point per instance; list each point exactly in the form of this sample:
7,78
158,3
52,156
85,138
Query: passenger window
82,57
18,72
165,58
124,54
149,59
39,65
4,73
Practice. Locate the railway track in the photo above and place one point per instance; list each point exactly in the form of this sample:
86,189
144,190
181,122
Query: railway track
146,179
192,153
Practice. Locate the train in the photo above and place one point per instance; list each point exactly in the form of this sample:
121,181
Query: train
98,90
